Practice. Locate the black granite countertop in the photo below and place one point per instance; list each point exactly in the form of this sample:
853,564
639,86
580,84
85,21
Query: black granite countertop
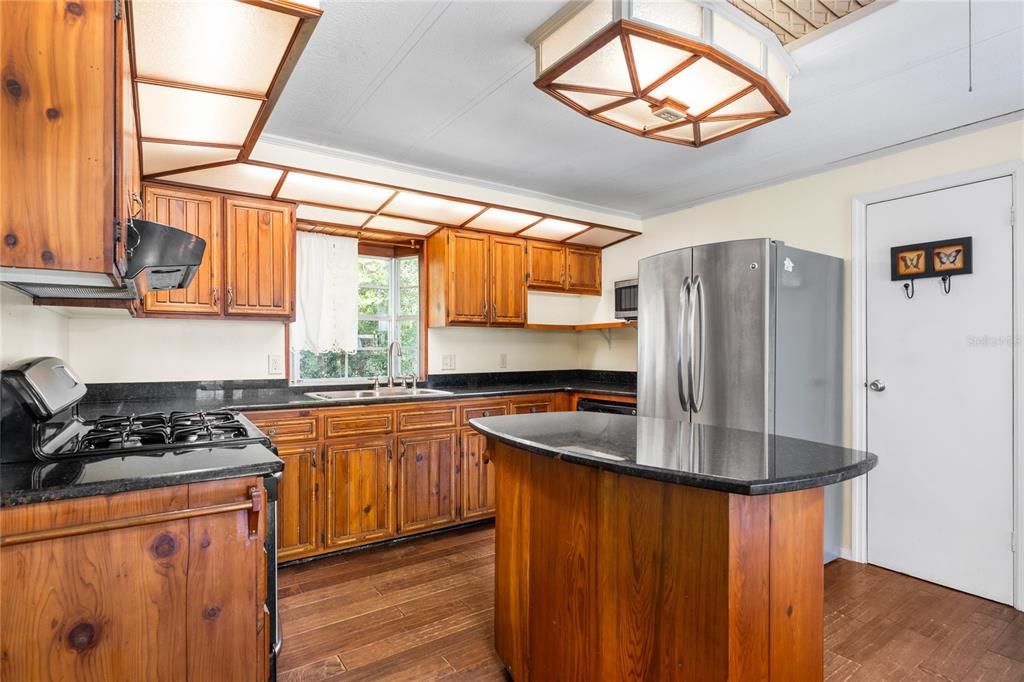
729,460
31,482
118,399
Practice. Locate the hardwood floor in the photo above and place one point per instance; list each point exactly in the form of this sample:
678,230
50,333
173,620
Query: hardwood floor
424,610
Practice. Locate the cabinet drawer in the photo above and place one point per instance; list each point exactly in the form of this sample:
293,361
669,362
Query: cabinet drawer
532,404
292,426
488,409
358,421
423,417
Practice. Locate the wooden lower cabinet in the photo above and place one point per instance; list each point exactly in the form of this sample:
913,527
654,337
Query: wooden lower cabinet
532,404
111,594
426,481
477,476
358,482
298,505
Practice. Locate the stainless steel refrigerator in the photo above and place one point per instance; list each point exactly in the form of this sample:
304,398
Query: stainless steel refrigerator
745,334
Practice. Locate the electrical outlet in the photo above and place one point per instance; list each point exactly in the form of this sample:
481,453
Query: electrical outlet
503,361
275,365
448,361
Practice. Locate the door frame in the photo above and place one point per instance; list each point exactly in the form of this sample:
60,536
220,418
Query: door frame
858,396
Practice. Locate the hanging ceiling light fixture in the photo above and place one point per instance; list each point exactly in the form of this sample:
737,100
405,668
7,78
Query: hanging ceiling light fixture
683,71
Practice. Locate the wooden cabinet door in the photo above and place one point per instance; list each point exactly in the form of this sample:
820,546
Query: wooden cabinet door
297,507
477,476
532,404
57,119
468,297
584,270
358,482
128,200
426,481
197,213
546,265
508,281
259,247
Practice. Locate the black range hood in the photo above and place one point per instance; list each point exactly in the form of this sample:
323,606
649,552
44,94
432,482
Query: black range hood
158,257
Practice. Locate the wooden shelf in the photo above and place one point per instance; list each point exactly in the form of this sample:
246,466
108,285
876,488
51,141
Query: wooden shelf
618,324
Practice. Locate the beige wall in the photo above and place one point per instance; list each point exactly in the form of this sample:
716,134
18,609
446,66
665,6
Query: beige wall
29,331
814,213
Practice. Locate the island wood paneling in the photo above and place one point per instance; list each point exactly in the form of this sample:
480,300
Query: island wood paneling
605,576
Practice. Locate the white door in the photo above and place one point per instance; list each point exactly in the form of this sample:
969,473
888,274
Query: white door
940,502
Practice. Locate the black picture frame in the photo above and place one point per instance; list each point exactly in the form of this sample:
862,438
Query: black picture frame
928,249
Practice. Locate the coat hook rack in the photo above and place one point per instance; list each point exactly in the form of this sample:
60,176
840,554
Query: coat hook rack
941,259
908,289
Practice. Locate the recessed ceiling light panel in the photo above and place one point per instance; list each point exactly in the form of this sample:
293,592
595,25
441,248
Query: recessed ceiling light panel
650,67
333,192
501,220
431,208
552,228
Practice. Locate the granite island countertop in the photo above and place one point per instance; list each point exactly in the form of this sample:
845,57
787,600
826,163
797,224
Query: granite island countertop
716,458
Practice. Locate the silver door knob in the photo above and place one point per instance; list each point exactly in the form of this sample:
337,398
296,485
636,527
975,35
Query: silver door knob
877,385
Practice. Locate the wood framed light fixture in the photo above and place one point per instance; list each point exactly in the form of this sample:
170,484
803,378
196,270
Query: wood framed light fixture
688,72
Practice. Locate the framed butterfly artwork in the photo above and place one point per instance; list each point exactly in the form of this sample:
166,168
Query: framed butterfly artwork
931,259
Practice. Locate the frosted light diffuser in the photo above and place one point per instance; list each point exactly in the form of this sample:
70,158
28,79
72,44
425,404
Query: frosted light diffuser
193,116
664,69
333,191
236,177
597,236
431,208
210,43
331,215
158,157
501,220
552,228
383,222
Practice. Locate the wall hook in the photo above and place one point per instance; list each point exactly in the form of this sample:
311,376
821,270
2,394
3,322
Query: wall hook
946,281
908,289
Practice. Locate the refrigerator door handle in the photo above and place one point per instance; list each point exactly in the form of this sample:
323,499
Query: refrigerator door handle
684,340
697,393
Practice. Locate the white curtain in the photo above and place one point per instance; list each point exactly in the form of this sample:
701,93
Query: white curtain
327,292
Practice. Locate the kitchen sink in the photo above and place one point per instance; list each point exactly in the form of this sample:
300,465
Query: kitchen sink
383,392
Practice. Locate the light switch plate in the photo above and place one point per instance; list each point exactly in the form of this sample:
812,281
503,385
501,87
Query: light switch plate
275,365
448,361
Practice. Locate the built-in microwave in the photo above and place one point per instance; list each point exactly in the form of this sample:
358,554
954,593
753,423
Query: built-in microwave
627,298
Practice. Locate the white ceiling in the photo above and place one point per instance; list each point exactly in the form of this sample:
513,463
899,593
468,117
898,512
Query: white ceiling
448,86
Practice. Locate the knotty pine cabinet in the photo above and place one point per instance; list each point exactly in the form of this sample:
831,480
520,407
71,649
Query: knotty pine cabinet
356,475
568,269
358,481
109,588
475,278
69,166
248,269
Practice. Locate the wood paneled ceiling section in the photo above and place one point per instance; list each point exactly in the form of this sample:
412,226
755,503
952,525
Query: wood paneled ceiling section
793,19
206,77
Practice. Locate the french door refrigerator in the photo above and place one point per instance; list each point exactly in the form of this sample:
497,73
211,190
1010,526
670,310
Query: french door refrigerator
745,334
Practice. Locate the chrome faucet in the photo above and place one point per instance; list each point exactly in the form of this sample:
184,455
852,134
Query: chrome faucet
394,352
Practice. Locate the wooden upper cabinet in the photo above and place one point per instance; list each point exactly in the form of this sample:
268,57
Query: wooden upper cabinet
583,269
426,481
197,213
508,281
546,265
58,113
297,508
475,278
468,275
358,482
259,258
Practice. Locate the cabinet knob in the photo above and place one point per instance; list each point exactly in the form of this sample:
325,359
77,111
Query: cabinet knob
272,431
487,413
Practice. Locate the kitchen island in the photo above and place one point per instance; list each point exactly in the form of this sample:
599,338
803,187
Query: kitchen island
631,548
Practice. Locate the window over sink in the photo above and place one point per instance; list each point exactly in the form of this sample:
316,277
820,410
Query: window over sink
349,344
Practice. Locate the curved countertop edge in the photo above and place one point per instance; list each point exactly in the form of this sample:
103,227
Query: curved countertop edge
21,497
726,485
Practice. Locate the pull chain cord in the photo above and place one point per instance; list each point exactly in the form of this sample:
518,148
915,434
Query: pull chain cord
970,45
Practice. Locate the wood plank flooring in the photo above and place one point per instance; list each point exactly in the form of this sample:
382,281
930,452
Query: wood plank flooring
424,610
